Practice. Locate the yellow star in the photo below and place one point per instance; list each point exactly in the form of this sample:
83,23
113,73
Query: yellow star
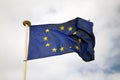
70,28
62,49
47,30
77,47
62,28
79,40
70,46
54,49
45,38
74,33
47,45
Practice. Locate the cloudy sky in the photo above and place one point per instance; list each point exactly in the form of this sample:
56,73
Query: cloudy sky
106,17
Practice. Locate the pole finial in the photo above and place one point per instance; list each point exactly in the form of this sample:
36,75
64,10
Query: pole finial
26,23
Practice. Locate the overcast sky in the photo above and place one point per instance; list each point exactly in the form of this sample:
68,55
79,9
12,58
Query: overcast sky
105,14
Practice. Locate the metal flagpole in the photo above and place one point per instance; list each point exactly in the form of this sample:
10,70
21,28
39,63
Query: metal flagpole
27,24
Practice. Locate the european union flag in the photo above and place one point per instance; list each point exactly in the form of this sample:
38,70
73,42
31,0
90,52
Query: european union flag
56,39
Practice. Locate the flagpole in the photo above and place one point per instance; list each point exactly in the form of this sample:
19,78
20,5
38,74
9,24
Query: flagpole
27,24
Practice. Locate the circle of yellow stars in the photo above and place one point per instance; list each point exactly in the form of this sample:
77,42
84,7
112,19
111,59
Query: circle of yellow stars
61,49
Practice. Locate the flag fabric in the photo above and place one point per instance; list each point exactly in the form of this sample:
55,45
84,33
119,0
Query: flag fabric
56,39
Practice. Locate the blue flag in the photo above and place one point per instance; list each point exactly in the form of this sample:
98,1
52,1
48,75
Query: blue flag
56,39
